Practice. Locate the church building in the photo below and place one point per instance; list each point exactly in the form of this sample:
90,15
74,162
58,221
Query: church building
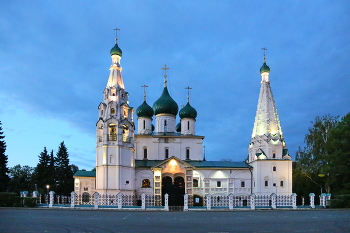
163,154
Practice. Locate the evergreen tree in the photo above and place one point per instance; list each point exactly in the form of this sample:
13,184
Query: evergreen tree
4,178
64,173
43,172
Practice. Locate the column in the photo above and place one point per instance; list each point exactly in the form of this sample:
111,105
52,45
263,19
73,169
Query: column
72,200
252,201
312,200
230,201
294,201
143,198
52,196
186,202
273,200
208,197
95,200
166,202
120,200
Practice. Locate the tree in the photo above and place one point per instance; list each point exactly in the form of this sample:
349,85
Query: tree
339,156
44,172
64,173
21,178
325,160
4,178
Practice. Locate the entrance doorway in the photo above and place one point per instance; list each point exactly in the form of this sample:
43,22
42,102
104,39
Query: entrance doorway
176,190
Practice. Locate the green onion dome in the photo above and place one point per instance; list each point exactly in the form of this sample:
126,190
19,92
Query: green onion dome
116,50
264,68
144,110
178,127
188,112
165,104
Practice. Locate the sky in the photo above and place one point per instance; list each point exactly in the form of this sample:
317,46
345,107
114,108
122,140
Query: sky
54,66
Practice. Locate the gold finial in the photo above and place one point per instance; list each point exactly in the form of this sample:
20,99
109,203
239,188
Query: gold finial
144,92
188,93
165,75
264,49
116,35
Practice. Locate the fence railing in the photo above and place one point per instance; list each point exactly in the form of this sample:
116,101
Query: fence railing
143,201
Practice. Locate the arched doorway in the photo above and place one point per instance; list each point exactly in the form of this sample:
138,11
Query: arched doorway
175,190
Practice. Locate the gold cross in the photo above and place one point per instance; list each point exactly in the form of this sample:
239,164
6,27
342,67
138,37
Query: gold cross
165,75
188,93
116,35
144,92
264,49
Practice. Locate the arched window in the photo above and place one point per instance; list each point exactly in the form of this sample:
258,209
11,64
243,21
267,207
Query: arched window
146,183
164,122
101,112
274,155
281,183
85,197
187,153
188,125
145,153
274,168
112,111
113,94
195,183
144,124
266,183
166,153
125,115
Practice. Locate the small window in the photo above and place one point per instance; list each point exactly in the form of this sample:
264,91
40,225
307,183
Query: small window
242,184
281,183
274,168
101,112
195,183
187,153
125,115
146,183
86,189
266,183
112,111
274,155
218,184
86,197
188,125
113,94
164,122
166,153
144,124
144,153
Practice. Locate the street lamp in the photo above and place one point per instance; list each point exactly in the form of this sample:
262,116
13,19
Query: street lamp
48,188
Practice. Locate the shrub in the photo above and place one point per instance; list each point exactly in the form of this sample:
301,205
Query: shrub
7,199
340,201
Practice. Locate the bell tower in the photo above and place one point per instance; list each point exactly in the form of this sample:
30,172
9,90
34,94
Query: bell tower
114,134
268,155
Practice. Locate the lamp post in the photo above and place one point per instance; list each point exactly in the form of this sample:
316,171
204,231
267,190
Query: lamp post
48,188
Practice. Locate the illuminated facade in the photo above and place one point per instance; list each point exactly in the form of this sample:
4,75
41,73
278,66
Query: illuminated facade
167,157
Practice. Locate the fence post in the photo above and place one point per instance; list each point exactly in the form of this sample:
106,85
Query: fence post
186,202
143,199
72,200
312,200
252,201
273,200
294,201
230,201
323,200
120,201
95,200
208,197
166,202
52,196
328,199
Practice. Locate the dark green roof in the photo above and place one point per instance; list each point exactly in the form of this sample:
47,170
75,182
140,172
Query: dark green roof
264,68
188,112
197,164
116,50
165,104
144,110
85,173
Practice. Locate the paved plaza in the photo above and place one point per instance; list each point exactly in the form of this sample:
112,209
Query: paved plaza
74,221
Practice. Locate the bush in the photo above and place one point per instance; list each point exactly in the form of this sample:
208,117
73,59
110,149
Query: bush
340,201
12,200
7,199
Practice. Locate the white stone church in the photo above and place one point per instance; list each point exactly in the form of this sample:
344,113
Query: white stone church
164,155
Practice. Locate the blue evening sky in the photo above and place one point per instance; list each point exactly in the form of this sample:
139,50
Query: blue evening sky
54,65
